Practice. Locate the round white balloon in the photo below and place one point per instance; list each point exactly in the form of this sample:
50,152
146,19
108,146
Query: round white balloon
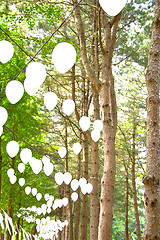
67,177
89,188
13,179
25,155
21,182
82,182
12,148
21,167
27,190
39,196
74,184
95,135
48,168
31,87
64,57
59,178
36,72
62,151
14,91
34,191
74,196
4,116
68,107
10,172
112,8
98,125
84,123
50,100
65,201
77,148
6,51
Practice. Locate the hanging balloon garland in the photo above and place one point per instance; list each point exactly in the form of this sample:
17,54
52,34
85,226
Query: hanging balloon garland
63,58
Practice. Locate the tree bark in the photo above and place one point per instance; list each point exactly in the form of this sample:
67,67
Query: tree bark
94,196
134,191
84,203
77,203
152,178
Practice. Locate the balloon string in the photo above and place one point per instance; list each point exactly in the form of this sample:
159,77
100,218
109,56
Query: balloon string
32,58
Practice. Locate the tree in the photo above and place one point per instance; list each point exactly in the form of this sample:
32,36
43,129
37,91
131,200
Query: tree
152,178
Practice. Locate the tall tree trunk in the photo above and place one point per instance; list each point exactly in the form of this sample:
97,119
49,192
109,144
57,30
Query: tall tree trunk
68,193
84,207
109,113
126,204
94,197
77,203
134,191
152,178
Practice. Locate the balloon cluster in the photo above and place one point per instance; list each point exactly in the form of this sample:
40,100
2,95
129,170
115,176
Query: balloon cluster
48,228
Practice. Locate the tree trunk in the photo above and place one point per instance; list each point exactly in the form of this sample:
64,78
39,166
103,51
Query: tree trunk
77,203
152,178
134,191
94,197
84,207
126,205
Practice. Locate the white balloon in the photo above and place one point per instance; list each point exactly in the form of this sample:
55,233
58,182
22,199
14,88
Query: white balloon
98,125
21,167
74,196
1,130
82,182
84,123
112,8
31,87
12,148
10,172
50,100
25,155
44,206
14,91
48,168
13,179
68,107
84,189
46,196
34,191
89,188
64,57
27,190
48,210
21,182
39,211
39,196
66,223
59,178
6,51
49,204
74,184
36,72
77,148
45,160
35,164
95,135
4,116
65,201
67,177
60,203
62,152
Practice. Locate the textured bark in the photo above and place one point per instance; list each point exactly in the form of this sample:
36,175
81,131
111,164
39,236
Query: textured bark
94,196
109,115
84,207
77,203
126,205
134,191
152,178
68,194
